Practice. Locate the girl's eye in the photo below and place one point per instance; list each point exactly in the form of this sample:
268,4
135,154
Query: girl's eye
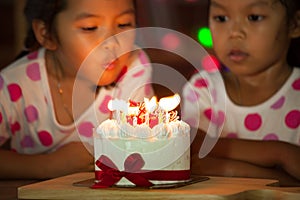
255,18
125,25
92,28
221,18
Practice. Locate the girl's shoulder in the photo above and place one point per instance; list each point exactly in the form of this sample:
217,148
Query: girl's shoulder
294,80
206,80
296,71
28,66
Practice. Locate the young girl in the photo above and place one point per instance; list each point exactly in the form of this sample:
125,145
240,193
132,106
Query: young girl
37,119
251,38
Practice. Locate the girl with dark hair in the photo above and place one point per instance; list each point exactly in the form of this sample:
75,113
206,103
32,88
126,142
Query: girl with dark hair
260,138
87,43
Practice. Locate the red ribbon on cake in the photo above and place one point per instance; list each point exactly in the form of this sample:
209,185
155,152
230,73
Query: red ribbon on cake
110,175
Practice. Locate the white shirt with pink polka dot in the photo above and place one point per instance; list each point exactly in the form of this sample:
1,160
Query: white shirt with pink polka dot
26,109
278,118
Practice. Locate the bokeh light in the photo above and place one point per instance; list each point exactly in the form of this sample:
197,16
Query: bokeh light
210,63
204,37
170,41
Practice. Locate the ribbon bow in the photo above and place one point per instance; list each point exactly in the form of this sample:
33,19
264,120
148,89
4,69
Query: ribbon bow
110,174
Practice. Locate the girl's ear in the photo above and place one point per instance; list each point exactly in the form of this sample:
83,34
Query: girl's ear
295,26
42,35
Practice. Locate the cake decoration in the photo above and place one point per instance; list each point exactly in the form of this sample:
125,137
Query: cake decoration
137,113
143,144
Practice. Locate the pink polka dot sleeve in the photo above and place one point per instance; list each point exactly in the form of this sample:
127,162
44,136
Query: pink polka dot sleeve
4,136
196,110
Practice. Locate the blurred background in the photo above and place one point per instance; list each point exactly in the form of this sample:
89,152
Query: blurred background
185,16
13,29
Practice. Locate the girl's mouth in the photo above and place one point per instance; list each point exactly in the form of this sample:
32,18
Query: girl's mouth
110,65
237,55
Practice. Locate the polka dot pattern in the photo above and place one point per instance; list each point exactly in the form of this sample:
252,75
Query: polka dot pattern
296,84
271,136
104,105
278,104
14,127
27,142
217,120
292,119
253,122
208,113
15,92
25,136
200,83
33,55
86,129
138,74
45,138
143,58
31,114
192,96
278,118
33,72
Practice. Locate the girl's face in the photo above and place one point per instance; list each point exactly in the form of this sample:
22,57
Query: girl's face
250,36
82,30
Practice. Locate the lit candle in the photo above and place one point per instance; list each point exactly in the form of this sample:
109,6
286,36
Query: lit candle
169,104
134,121
133,111
150,106
118,105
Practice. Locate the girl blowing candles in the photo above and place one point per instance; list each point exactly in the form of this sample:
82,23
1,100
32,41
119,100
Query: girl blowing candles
36,117
261,133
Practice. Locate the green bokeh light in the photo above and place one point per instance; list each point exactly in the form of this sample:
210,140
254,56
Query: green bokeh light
205,38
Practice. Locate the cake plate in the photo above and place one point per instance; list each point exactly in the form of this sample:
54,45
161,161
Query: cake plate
194,179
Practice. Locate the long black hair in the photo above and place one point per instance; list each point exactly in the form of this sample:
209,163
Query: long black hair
44,10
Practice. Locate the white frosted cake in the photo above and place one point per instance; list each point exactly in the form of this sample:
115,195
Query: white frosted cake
142,150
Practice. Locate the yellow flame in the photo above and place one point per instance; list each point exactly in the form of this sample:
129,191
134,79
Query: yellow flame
169,103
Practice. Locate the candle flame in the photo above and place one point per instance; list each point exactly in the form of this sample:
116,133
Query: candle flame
118,105
169,103
150,105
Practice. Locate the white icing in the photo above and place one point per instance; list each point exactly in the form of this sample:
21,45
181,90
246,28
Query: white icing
111,129
164,147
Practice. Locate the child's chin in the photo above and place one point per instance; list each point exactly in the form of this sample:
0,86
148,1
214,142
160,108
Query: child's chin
105,82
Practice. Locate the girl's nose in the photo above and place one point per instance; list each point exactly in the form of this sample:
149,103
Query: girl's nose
237,30
110,39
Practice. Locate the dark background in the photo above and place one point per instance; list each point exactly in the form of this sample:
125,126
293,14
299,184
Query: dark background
186,16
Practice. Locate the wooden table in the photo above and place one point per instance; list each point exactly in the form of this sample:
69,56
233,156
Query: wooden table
214,188
8,188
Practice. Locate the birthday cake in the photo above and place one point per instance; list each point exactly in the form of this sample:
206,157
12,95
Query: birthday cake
145,144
